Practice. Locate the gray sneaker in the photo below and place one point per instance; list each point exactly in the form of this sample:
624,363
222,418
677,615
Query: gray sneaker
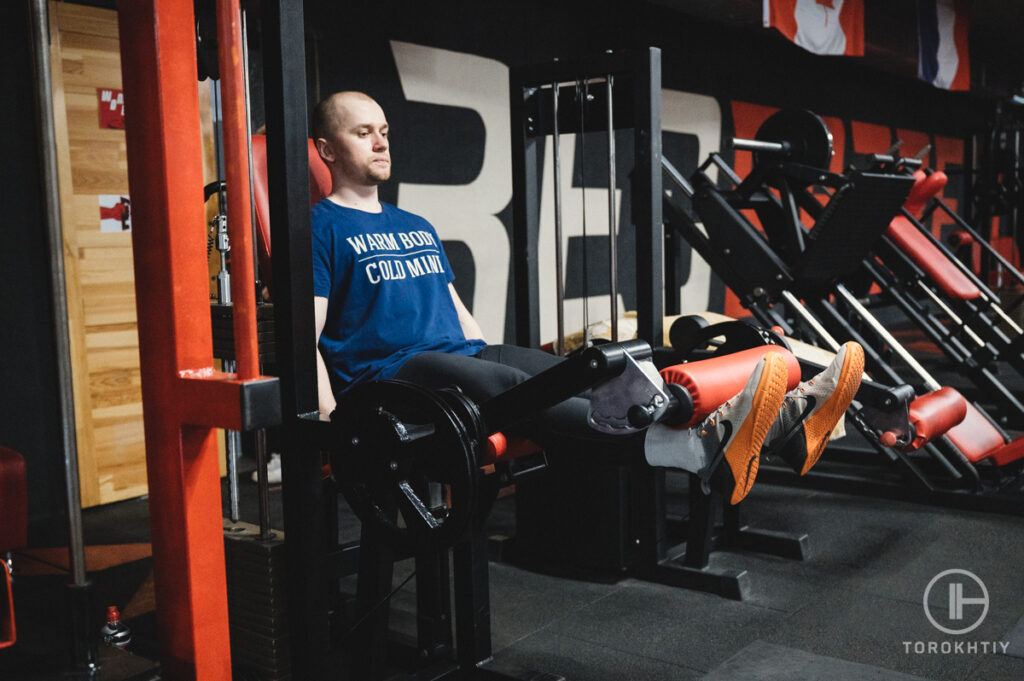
811,410
732,433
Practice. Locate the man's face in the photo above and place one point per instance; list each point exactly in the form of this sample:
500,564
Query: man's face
359,147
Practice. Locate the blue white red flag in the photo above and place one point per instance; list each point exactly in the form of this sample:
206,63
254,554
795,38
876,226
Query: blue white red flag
942,43
819,26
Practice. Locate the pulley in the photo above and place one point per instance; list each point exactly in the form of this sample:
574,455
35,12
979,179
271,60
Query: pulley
406,460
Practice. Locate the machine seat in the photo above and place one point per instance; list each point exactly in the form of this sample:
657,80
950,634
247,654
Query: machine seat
934,262
319,187
978,439
13,531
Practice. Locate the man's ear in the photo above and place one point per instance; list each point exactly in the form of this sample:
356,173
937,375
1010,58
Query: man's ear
323,147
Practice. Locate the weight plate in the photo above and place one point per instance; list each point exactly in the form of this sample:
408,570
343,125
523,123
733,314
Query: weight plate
809,138
406,462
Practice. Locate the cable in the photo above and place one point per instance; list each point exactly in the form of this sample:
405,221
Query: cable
583,194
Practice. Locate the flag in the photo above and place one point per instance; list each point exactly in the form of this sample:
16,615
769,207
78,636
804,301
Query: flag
819,26
942,43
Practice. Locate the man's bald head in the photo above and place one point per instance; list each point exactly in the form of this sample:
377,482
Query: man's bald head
330,113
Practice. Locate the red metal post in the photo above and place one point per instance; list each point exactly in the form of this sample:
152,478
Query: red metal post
183,397
236,170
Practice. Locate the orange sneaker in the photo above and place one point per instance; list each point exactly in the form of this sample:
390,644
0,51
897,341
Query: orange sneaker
736,430
816,405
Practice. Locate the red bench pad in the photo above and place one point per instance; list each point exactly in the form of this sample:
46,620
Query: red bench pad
13,500
711,382
319,187
934,262
975,436
8,634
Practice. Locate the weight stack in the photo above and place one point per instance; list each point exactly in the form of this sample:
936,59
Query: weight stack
222,317
257,614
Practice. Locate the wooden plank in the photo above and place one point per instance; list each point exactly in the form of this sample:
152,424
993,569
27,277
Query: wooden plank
87,469
99,269
84,19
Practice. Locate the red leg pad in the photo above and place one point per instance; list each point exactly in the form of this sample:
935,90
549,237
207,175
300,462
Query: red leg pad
711,382
500,447
934,414
975,436
13,500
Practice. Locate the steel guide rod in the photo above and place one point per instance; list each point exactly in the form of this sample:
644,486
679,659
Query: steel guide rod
559,267
878,328
613,259
83,653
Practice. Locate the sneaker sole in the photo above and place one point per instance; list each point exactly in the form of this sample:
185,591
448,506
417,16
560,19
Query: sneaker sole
744,452
818,426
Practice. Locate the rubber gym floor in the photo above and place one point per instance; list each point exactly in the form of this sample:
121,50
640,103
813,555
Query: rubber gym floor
853,610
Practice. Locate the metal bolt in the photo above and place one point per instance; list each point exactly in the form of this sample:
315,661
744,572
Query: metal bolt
354,441
778,277
593,364
658,400
726,251
758,291
393,465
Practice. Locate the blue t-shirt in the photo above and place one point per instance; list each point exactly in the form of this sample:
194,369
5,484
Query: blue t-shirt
386,278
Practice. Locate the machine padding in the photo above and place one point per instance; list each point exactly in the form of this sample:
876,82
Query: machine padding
926,187
711,382
319,187
934,262
934,414
8,634
1010,452
975,436
13,500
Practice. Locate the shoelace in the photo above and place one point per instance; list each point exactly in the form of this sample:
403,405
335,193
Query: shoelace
710,420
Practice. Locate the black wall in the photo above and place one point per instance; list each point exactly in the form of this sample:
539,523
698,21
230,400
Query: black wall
29,408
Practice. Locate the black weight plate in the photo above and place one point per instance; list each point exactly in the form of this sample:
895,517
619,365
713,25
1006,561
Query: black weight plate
809,138
394,439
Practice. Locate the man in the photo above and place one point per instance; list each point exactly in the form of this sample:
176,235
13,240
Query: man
386,308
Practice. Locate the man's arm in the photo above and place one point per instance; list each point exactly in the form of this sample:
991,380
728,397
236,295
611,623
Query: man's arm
323,382
470,328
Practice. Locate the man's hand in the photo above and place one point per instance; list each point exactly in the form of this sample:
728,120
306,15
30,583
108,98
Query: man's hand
325,396
470,328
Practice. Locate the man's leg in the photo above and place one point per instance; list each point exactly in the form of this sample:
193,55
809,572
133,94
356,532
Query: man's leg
499,368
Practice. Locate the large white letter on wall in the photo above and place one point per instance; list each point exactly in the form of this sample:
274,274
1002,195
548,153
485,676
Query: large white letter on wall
467,212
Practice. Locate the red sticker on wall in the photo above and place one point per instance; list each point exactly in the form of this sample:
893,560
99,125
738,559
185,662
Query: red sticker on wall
111,103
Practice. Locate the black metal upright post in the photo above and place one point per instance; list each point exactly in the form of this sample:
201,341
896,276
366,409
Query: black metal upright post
647,198
526,160
291,245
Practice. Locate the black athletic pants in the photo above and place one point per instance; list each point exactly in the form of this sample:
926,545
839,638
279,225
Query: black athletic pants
497,368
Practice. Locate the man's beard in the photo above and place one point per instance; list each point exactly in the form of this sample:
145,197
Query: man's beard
377,175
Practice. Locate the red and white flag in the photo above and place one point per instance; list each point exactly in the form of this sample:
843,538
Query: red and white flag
942,42
819,26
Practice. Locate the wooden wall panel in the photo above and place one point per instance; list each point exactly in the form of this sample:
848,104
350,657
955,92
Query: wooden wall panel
92,161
